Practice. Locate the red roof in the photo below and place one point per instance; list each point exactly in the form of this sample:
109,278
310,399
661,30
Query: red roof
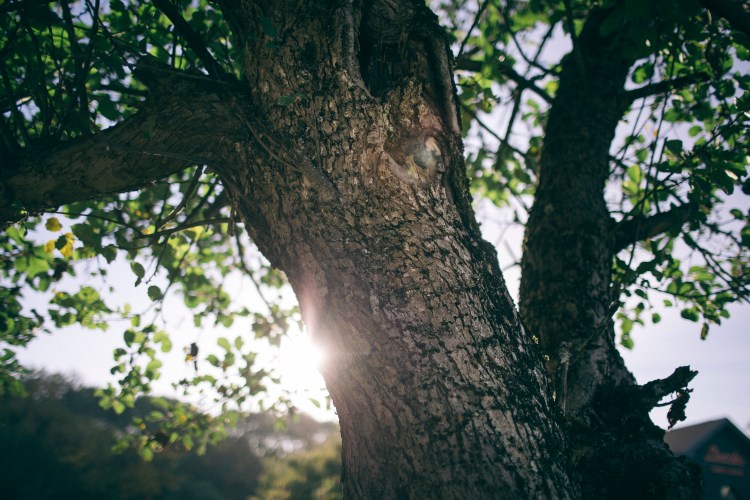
686,439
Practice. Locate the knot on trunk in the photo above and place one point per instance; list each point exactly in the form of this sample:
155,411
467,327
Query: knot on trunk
418,157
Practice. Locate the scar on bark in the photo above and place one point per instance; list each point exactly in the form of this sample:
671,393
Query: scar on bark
417,158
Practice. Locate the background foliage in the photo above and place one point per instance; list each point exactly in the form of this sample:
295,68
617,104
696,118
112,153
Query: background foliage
57,444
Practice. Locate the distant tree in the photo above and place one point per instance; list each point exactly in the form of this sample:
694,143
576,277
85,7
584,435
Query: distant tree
57,443
55,446
309,474
330,133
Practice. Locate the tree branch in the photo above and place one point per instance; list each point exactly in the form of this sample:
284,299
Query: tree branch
641,228
737,13
634,401
666,86
140,150
523,83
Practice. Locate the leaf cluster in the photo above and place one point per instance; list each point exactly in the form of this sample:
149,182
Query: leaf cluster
680,156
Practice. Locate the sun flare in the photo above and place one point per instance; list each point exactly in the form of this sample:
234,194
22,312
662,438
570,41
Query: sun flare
299,364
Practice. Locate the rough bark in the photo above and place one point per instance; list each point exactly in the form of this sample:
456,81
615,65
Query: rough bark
567,295
357,191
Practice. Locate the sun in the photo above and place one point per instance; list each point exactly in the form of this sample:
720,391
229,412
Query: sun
299,362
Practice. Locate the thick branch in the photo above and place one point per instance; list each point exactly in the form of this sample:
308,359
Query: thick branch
666,86
181,124
642,228
736,12
634,401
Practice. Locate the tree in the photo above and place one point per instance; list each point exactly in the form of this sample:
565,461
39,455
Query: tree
331,131
57,443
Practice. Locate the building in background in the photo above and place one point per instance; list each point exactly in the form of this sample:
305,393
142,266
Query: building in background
724,453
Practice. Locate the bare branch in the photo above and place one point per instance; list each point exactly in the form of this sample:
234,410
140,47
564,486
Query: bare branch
185,226
473,25
632,400
667,86
183,203
140,150
486,128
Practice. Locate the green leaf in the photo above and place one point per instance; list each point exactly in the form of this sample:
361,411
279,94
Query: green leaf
109,253
627,326
187,442
635,174
129,337
166,345
153,365
674,146
53,224
627,342
146,454
139,272
224,344
689,314
118,407
85,233
643,72
154,293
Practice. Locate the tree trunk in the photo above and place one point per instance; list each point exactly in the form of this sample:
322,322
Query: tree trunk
567,296
353,183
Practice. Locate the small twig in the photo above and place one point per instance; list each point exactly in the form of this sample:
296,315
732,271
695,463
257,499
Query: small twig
188,194
194,40
510,73
492,132
473,25
183,227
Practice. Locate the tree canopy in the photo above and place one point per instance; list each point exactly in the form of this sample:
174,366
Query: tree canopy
666,81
